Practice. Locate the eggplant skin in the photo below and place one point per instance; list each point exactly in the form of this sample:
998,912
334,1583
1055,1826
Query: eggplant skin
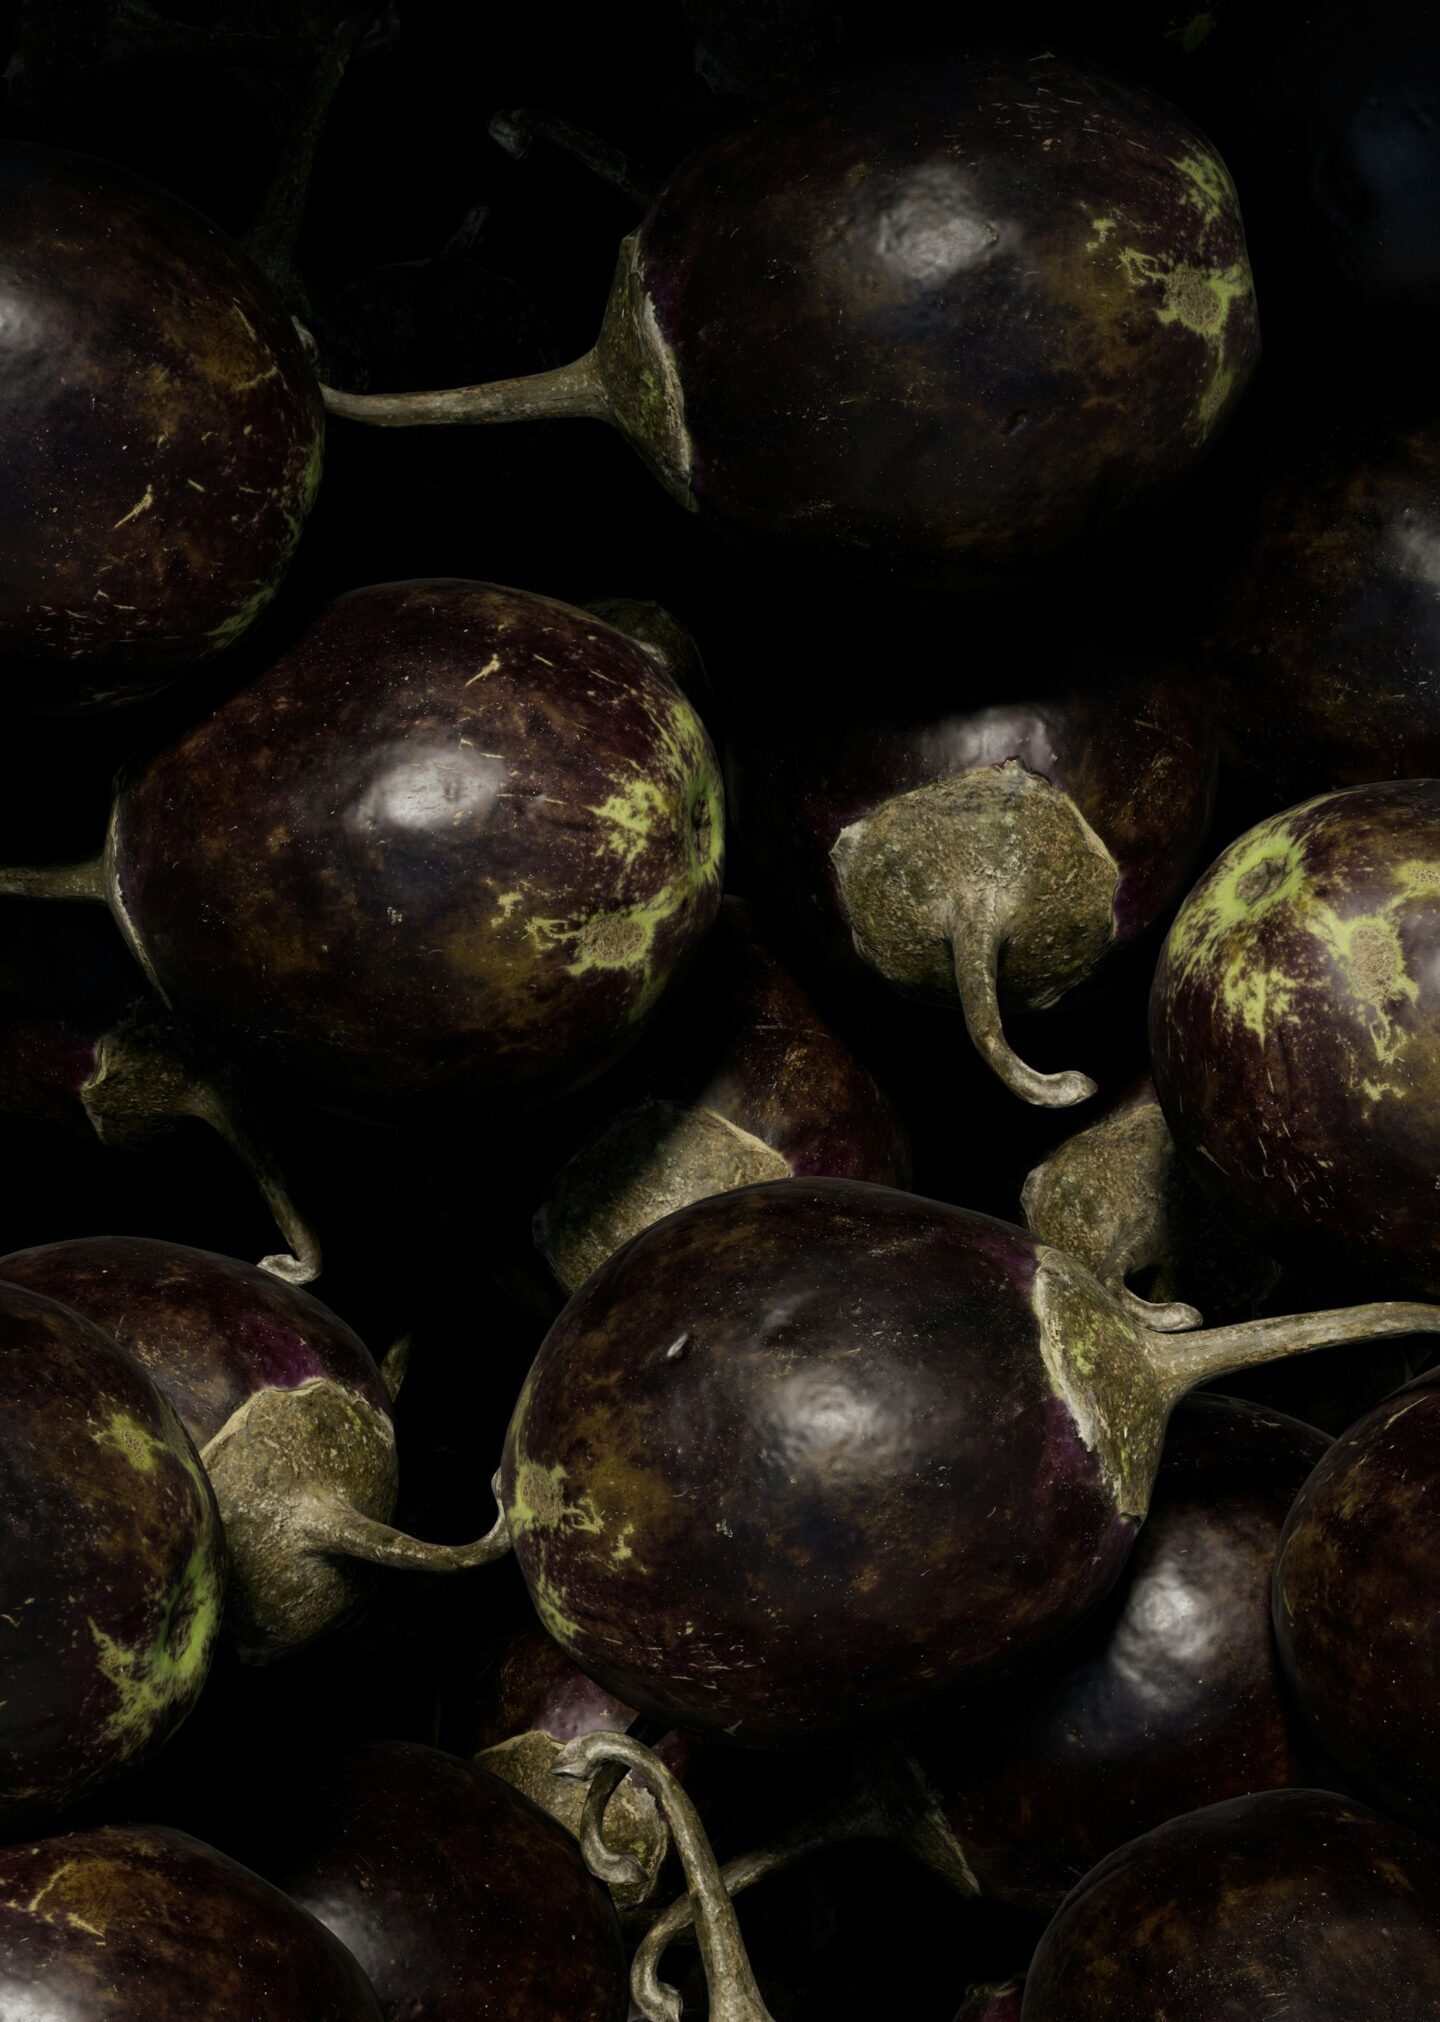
1295,1034
1293,1903
128,1922
1354,1604
798,1427
112,1562
161,435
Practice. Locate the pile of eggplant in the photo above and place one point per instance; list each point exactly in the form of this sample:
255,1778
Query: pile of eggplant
720,1292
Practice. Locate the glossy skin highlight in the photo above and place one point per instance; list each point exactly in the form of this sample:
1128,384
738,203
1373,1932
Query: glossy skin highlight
1354,1615
124,1922
949,321
1295,1033
113,1562
1294,1903
161,438
447,850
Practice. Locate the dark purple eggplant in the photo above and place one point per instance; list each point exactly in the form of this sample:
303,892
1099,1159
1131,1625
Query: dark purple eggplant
446,850
1295,1033
460,1899
822,1431
1354,1613
1118,1198
1003,852
135,1923
162,435
511,1707
993,2004
1170,1697
85,1047
113,1562
1326,635
743,1080
931,328
286,1407
1295,1903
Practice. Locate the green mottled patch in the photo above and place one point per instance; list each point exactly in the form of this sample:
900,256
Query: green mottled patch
633,817
1208,187
140,1446
152,1681
1102,228
238,623
564,1628
539,1503
1200,300
1217,927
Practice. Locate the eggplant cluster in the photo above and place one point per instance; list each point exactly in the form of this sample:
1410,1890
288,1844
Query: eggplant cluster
725,1501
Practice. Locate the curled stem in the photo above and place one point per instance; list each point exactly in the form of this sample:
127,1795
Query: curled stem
734,1996
516,131
1132,1250
616,1869
340,1530
574,389
978,935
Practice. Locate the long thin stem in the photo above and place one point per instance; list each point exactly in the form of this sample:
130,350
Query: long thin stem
219,1103
55,881
734,1996
574,389
1182,1361
977,941
341,1531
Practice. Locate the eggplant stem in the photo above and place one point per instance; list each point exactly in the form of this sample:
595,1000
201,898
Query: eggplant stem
1130,1251
1183,1361
574,389
515,131
617,1870
56,881
341,1531
734,1996
977,942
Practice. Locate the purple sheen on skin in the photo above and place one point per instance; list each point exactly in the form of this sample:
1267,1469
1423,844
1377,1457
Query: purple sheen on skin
210,1330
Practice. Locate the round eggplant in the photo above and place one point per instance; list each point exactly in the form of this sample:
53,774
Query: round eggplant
127,1923
865,1439
1295,1903
446,850
161,438
1326,637
86,1048
1353,1614
287,1409
743,1081
1295,1033
113,1562
460,1899
1005,853
1118,1198
931,328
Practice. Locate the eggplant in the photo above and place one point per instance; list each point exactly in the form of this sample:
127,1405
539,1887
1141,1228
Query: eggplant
87,1048
288,1412
1294,1902
1353,1615
1295,1033
447,850
458,1896
113,1562
129,1923
1169,1697
1325,640
934,328
1004,851
162,437
872,1449
744,1080
1118,1198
